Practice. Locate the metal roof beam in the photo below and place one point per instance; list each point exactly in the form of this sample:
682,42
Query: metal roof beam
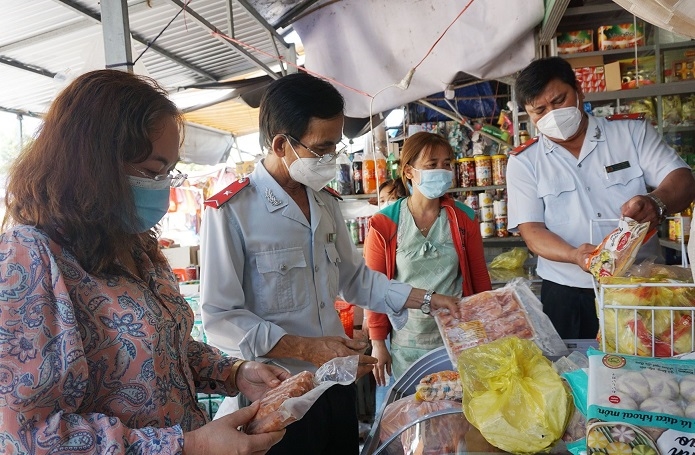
47,36
115,26
211,28
140,39
295,12
23,66
261,20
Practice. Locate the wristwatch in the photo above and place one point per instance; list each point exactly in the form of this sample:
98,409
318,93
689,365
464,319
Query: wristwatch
661,207
425,307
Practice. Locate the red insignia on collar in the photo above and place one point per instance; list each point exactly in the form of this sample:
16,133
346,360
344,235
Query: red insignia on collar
226,194
332,192
636,116
524,146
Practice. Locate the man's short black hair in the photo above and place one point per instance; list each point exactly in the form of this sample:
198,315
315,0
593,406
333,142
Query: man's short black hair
533,79
291,101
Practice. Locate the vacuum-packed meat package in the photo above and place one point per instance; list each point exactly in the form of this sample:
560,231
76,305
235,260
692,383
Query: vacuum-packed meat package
289,401
512,310
269,418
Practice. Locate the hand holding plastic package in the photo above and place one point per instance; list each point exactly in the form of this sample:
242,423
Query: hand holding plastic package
289,401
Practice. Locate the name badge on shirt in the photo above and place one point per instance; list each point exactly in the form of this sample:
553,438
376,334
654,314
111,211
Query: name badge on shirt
617,166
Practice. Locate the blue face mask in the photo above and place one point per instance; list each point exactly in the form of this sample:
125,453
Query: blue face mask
151,200
434,182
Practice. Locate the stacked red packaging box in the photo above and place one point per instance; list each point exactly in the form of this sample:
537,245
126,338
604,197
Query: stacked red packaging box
591,78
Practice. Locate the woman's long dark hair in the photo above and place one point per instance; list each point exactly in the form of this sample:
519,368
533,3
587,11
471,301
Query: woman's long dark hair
69,180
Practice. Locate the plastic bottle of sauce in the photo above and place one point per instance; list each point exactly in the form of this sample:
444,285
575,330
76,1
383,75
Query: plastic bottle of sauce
369,174
358,187
392,166
342,175
381,170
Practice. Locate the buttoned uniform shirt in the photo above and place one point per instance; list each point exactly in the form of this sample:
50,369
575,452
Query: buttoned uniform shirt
92,364
579,199
267,271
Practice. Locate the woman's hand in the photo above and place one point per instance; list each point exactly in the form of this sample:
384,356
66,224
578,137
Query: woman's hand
222,436
383,367
254,378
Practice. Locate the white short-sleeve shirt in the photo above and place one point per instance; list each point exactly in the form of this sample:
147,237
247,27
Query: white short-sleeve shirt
267,271
580,199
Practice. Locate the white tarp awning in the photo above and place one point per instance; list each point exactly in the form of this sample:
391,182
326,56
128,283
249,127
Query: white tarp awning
369,45
676,16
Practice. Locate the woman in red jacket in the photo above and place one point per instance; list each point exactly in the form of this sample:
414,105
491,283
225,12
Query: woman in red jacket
426,239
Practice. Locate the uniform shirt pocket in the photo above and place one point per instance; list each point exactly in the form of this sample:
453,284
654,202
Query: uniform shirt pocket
283,281
560,197
333,270
628,179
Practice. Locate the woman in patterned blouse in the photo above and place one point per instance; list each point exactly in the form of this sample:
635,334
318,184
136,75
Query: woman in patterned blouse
96,354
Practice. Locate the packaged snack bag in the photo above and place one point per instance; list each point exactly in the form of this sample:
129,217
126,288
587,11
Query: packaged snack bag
618,250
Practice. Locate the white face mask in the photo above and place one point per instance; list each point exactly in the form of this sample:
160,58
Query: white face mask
309,172
434,182
561,123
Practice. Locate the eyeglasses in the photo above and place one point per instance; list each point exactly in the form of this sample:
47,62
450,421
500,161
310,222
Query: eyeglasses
175,177
325,157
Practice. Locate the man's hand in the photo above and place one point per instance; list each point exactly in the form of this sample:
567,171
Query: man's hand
641,209
446,301
383,367
581,254
319,350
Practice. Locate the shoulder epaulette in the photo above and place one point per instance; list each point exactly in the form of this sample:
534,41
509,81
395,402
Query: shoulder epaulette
524,146
219,199
332,192
636,116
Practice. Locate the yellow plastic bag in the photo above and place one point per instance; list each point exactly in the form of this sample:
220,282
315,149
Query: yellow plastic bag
512,259
512,395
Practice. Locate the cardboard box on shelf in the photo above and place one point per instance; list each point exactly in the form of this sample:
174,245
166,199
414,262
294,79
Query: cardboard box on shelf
628,74
637,73
575,42
679,65
612,75
583,62
589,72
620,36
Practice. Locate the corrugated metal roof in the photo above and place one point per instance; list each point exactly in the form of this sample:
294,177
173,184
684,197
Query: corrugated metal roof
40,39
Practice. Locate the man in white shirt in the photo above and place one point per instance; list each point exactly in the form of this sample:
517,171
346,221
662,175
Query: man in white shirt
580,171
275,253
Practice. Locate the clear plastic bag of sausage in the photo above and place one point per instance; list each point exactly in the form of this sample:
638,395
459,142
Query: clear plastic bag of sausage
291,400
